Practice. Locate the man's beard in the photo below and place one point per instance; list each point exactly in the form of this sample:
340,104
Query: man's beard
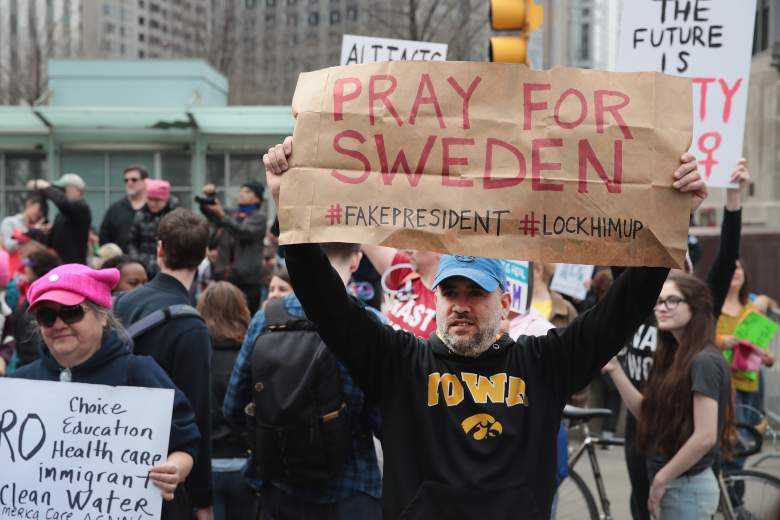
474,345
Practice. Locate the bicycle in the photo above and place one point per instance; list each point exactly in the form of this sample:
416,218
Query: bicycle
763,421
573,496
745,494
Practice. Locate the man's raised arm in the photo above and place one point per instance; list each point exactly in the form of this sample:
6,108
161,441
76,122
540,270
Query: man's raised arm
369,350
575,355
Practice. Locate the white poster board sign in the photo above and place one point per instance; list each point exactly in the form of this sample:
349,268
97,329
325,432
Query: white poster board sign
709,41
569,279
367,49
71,451
517,284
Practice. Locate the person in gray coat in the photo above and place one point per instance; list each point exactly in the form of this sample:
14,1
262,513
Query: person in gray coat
238,235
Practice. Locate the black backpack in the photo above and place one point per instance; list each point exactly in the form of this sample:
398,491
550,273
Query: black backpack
302,432
226,442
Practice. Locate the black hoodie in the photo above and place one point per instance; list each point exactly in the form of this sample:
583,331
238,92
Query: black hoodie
464,437
109,366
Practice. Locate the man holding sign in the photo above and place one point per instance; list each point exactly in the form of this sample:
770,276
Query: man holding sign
709,42
470,416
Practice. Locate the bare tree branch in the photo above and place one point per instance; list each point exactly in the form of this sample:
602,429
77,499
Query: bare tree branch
425,35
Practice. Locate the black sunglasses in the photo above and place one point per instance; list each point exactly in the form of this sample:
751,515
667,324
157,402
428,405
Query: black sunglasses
46,316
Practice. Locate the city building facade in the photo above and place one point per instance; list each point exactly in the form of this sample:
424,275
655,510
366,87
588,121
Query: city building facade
32,31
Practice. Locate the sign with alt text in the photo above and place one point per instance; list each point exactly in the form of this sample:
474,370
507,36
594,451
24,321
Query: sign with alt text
490,159
368,49
71,451
706,40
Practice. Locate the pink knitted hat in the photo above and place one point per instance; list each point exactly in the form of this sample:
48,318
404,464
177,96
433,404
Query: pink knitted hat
71,284
156,189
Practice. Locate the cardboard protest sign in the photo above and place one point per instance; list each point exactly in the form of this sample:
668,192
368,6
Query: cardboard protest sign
757,329
78,452
709,41
368,49
490,159
569,279
517,284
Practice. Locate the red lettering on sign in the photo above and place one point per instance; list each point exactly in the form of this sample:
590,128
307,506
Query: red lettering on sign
703,83
383,96
351,134
601,108
466,96
340,96
528,105
587,155
729,92
430,99
537,166
583,109
388,174
448,160
489,183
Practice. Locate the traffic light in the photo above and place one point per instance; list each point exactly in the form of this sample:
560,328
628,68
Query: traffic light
522,15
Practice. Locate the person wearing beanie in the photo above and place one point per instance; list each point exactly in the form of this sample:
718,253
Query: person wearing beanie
238,235
116,223
142,238
69,234
84,343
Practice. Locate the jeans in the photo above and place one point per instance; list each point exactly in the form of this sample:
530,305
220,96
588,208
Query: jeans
233,498
691,498
278,505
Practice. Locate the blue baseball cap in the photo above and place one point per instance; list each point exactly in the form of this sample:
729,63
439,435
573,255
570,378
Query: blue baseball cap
488,273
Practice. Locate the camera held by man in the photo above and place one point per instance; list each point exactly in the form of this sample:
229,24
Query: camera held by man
238,235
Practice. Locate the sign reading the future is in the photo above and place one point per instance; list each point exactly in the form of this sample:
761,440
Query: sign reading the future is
706,40
71,451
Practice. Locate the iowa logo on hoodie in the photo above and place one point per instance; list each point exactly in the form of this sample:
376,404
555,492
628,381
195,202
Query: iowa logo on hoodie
481,426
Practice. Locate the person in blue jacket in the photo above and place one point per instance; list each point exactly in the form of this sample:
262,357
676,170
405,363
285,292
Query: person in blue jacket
84,343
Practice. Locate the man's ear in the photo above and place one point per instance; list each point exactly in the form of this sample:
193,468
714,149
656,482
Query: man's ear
160,250
506,304
355,261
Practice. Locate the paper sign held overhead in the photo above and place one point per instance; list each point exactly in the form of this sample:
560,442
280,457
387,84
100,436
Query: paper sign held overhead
368,49
709,41
78,451
490,159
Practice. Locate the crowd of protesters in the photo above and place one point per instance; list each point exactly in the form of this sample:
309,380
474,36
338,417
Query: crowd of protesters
335,381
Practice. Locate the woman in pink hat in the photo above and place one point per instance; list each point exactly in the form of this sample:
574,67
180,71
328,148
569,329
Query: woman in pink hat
83,342
142,237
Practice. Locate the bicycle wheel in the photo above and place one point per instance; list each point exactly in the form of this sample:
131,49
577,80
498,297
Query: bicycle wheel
753,494
574,498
